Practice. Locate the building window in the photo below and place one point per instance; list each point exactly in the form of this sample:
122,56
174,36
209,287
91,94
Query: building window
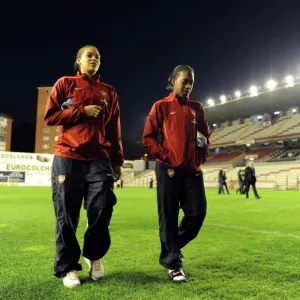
2,130
56,138
3,122
57,129
46,130
2,138
46,138
45,146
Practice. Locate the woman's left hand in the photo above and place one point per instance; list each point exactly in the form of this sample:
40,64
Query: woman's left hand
118,172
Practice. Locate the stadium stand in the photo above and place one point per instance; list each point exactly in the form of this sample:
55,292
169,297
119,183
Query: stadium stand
286,155
264,128
269,176
291,127
264,131
285,126
222,158
262,154
228,134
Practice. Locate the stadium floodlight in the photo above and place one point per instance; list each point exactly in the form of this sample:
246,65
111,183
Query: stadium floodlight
259,117
253,91
223,99
237,94
271,84
215,125
248,145
294,110
289,81
276,112
210,102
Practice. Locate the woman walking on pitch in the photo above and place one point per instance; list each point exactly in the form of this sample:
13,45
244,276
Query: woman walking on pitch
181,149
88,156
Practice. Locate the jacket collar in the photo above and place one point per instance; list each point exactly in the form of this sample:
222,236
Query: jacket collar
175,97
84,76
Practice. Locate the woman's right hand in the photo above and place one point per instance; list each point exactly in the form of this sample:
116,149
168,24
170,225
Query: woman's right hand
92,110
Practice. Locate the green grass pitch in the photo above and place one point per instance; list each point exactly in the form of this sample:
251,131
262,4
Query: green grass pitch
247,249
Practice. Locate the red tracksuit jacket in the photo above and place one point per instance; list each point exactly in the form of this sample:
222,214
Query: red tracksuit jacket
82,137
177,123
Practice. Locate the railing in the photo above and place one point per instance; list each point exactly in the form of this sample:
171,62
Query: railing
288,182
278,183
141,182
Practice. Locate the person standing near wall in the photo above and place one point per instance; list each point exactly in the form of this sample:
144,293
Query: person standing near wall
250,179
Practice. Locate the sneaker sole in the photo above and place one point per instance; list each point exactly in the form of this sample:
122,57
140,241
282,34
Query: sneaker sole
179,280
96,279
90,271
182,279
72,286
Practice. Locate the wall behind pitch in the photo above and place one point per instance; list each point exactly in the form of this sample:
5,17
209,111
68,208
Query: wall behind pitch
34,169
25,169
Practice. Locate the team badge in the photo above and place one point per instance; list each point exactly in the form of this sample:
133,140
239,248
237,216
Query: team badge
171,172
103,101
61,178
194,114
103,93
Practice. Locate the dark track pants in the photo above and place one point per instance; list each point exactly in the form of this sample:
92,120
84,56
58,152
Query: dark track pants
240,188
72,182
248,184
221,188
226,187
185,191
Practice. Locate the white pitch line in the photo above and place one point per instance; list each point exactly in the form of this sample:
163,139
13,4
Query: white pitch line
278,233
251,210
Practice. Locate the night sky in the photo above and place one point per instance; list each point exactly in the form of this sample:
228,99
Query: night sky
230,44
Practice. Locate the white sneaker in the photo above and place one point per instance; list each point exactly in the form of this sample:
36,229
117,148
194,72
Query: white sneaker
71,280
177,275
96,269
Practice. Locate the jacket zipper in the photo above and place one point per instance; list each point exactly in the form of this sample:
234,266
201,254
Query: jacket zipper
187,143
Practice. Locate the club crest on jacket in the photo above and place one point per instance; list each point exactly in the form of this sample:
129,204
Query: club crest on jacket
103,93
171,172
61,178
